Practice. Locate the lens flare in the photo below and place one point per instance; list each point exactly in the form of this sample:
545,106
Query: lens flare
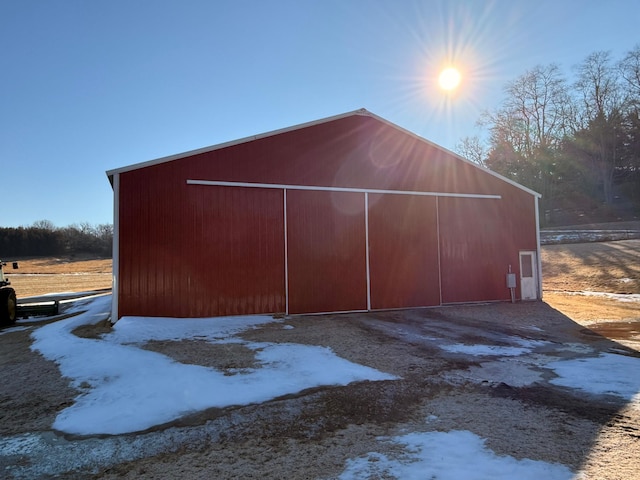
449,79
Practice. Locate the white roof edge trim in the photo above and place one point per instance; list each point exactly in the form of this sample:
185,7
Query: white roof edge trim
362,111
216,183
231,143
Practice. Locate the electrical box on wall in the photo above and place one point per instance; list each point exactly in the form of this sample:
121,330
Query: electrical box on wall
511,280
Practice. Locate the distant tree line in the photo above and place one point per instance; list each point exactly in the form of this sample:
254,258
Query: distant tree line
577,142
44,239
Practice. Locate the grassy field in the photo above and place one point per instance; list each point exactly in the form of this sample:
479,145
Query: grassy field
38,276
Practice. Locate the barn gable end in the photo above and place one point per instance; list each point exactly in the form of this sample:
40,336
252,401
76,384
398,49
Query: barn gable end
350,213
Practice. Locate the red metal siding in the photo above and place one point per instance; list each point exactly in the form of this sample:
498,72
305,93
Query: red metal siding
150,239
352,152
189,251
403,251
236,255
326,251
479,239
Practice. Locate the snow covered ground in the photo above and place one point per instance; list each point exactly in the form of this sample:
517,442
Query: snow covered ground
129,389
455,455
126,388
525,346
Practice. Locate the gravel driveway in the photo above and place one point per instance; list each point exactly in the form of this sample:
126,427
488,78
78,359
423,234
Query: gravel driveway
485,369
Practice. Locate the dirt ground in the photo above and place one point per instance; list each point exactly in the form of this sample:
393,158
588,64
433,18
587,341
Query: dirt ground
611,267
312,434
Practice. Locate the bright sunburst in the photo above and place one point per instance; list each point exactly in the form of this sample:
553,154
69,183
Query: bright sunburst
449,79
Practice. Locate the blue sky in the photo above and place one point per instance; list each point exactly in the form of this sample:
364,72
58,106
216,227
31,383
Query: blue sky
88,86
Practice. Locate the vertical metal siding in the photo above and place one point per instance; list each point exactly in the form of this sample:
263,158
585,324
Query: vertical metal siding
188,250
199,252
326,251
403,250
144,239
353,152
478,242
235,261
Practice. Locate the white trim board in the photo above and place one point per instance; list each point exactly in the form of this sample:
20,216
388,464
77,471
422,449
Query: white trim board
367,251
286,256
216,183
116,250
439,253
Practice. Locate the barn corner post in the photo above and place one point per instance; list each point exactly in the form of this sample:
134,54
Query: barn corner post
115,261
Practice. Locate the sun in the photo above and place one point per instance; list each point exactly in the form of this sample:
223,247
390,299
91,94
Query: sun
449,79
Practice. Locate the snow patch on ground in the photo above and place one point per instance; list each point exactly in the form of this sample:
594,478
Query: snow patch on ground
484,350
139,330
454,455
551,237
608,373
50,455
128,389
123,384
576,348
13,329
620,297
526,346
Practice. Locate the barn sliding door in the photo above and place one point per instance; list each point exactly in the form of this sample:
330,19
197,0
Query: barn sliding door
234,258
475,249
403,251
326,251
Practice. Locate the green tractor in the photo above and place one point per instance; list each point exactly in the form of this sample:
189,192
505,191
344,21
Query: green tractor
8,302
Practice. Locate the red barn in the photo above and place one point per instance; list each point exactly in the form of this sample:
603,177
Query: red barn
348,213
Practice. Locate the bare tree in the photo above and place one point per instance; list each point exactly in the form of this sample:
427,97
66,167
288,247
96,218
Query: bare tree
601,114
570,142
630,69
44,225
473,149
528,128
533,116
